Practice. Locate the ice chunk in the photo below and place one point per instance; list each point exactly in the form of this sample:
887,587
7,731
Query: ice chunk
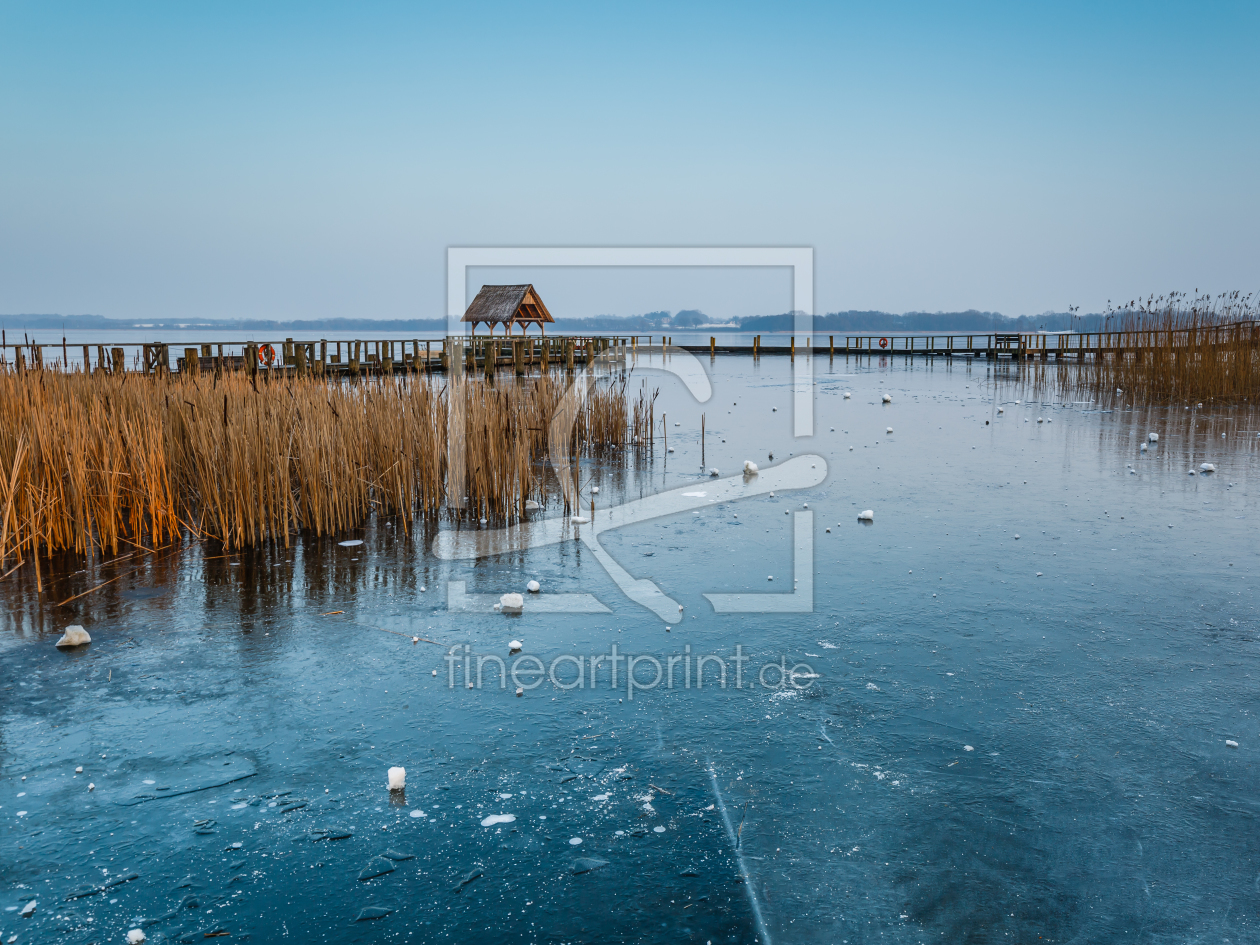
397,779
531,505
74,636
498,819
847,395
587,864
575,841
534,587
890,430
867,515
377,866
28,910
888,398
514,646
1208,467
352,543
135,937
714,473
750,468
512,603
1153,437
1230,743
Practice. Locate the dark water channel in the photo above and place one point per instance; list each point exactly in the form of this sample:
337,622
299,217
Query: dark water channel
1010,719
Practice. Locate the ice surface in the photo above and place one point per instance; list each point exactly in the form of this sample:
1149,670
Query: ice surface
1088,809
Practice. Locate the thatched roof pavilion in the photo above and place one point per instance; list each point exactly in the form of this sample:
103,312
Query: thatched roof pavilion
508,305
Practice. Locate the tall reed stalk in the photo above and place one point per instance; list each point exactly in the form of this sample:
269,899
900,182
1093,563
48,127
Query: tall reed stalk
1174,349
101,463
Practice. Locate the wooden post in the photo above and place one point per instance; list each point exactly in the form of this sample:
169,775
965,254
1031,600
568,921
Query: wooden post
352,352
387,359
101,364
518,356
712,341
793,337
299,360
831,346
37,356
118,356
87,364
569,345
192,361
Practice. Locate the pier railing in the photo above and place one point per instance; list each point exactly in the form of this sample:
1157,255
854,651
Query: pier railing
300,357
526,354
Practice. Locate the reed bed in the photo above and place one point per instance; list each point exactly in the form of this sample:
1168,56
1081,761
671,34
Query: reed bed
103,463
1174,349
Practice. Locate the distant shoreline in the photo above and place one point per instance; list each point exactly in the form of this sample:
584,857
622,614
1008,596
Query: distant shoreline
833,322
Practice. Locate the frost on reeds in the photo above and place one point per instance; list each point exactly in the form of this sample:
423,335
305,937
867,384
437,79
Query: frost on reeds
1172,349
94,463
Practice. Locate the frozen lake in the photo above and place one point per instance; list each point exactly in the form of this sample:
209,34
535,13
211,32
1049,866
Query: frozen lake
1012,723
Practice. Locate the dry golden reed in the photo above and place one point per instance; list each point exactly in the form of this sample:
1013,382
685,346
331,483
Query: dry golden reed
1173,349
103,463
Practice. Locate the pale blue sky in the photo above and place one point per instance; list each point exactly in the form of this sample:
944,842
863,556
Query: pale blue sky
314,160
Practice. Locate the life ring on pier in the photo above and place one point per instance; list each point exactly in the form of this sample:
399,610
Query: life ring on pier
266,355
883,342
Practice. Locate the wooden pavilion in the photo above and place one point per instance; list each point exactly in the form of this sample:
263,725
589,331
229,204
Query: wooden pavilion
508,305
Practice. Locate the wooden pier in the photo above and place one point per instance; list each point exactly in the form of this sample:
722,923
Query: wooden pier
1020,346
523,355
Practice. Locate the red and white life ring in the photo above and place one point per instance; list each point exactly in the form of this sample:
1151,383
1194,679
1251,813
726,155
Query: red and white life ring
883,342
266,355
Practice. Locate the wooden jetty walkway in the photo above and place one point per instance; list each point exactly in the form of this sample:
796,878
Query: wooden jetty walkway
524,355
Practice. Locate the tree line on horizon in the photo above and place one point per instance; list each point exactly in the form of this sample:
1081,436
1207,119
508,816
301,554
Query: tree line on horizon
685,319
